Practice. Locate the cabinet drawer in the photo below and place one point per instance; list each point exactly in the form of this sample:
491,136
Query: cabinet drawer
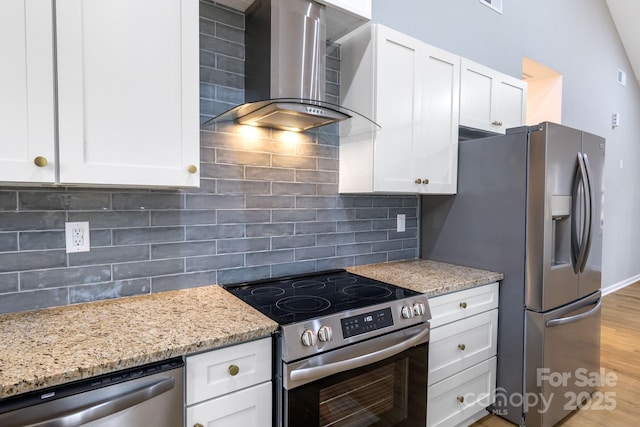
250,407
458,305
209,374
461,396
460,345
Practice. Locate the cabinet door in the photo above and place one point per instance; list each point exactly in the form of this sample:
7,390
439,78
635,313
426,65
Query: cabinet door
490,100
476,86
128,92
250,407
26,91
510,101
436,147
398,105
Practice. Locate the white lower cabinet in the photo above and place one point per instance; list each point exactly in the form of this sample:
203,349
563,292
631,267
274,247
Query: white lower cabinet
462,355
230,386
452,401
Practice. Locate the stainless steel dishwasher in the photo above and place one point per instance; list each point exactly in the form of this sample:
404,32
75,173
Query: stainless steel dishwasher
149,395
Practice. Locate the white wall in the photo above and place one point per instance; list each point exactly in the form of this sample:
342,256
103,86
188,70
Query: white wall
577,38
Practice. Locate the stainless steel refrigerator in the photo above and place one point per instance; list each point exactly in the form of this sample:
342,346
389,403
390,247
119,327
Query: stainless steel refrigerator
529,204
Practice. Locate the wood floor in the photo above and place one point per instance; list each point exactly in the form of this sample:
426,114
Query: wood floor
620,354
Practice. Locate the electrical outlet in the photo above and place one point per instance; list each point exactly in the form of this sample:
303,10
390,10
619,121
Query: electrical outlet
401,220
77,236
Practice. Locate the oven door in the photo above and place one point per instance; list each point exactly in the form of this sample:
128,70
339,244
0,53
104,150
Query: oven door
379,382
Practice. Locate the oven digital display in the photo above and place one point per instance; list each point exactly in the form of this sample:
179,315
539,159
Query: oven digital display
356,325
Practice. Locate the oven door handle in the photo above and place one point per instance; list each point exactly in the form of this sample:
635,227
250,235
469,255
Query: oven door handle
322,371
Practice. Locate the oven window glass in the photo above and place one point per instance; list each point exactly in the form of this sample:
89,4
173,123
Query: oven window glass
388,393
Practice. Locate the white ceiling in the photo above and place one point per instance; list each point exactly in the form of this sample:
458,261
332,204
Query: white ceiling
626,16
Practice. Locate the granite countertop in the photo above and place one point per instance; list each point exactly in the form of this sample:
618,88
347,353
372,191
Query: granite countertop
52,346
430,277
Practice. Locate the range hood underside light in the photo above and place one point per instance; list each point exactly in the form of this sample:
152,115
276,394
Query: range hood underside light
291,117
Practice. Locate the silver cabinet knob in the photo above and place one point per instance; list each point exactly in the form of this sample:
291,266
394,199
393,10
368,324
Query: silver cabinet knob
407,312
325,333
308,338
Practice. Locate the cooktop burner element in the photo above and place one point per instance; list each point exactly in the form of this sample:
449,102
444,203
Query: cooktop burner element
295,299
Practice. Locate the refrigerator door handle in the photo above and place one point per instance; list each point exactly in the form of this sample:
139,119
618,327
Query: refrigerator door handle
587,244
578,247
564,320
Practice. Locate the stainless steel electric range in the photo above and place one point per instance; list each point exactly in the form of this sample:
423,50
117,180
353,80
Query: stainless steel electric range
351,351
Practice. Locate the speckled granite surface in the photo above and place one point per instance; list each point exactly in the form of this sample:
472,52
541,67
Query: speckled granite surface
52,346
430,277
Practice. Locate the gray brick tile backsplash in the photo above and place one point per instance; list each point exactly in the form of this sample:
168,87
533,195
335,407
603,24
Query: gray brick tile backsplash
49,201
183,281
9,283
31,260
210,232
270,174
18,221
269,257
111,219
184,217
314,253
58,277
243,245
131,270
147,235
8,200
354,249
23,301
370,258
293,188
243,216
238,275
214,262
8,242
183,250
294,215
301,241
267,202
290,268
270,230
294,162
335,238
200,201
101,291
243,187
137,201
34,240
266,207
110,255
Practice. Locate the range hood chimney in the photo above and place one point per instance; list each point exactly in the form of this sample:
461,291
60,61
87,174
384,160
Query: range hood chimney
285,71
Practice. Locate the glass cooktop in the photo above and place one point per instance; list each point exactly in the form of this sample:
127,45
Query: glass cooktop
296,298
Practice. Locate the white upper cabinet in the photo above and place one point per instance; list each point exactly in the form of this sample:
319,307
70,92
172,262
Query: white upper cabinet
127,92
411,90
26,92
490,100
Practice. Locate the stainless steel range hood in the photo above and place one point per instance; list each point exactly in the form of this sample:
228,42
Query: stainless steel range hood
285,71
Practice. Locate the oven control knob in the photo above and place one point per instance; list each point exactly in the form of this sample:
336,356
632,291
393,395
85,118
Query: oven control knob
308,338
418,309
325,333
407,312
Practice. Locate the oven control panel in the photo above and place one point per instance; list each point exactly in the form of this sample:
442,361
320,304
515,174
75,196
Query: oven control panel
367,322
